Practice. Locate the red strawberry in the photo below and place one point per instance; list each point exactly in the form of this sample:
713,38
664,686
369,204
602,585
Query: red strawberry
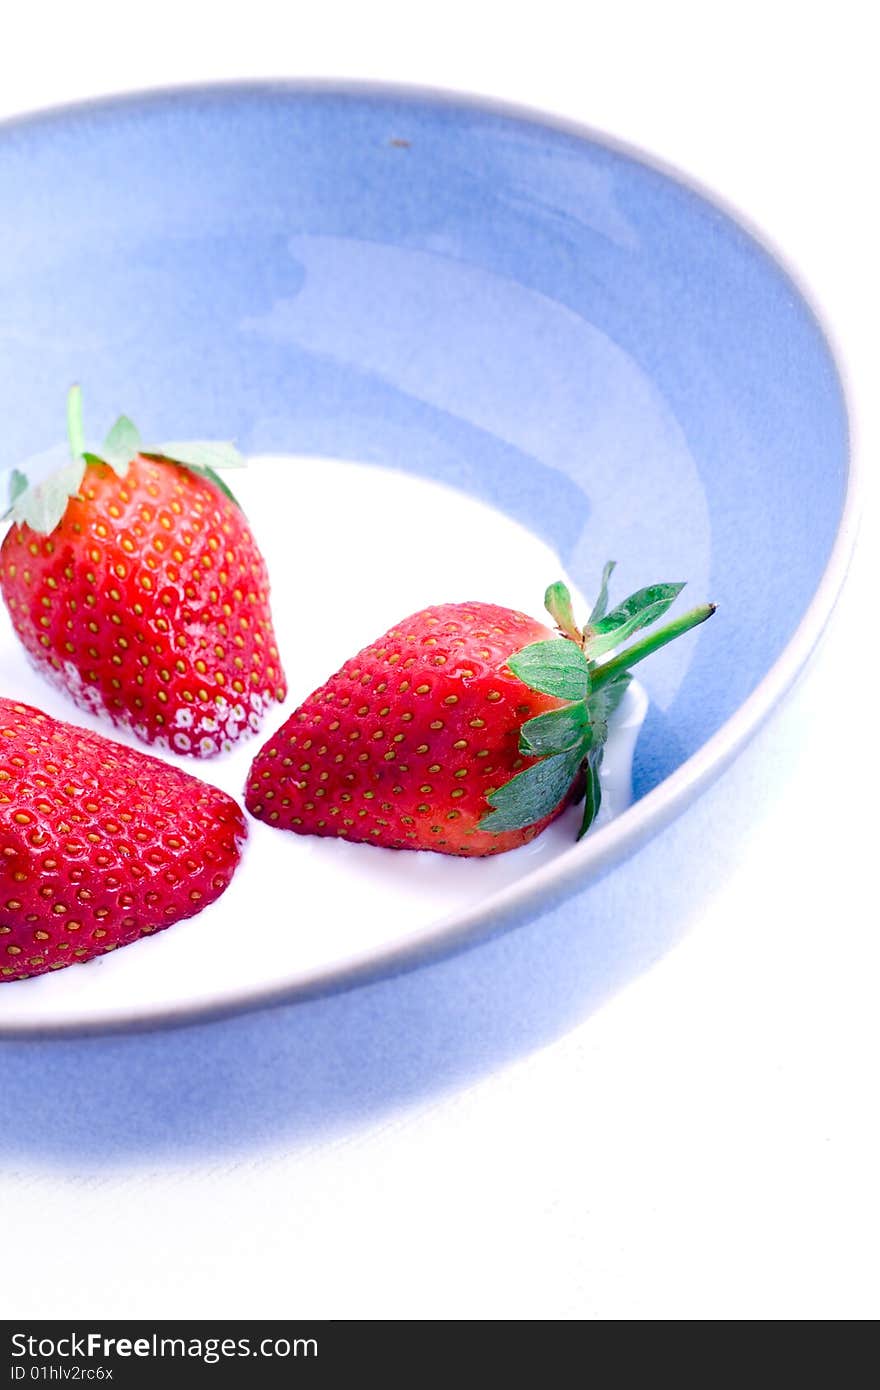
465,729
99,844
134,583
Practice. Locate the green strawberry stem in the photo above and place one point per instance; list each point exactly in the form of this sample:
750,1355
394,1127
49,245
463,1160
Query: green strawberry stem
75,432
608,670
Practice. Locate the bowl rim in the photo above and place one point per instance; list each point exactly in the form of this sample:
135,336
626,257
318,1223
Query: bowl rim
543,889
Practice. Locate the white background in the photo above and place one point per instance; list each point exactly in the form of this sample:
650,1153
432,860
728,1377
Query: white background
700,1141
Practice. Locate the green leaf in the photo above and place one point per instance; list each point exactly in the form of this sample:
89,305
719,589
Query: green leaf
201,453
18,484
603,702
557,601
555,667
203,456
592,789
42,506
556,731
638,611
533,794
121,445
600,607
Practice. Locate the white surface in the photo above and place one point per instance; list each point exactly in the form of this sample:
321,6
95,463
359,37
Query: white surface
319,908
685,1124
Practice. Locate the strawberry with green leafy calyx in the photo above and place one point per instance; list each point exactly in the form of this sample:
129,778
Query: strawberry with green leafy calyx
464,729
134,583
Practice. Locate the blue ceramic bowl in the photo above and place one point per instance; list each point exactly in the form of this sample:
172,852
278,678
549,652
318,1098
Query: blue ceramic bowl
500,302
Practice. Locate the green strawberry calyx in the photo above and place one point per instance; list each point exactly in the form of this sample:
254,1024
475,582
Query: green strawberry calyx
41,505
569,742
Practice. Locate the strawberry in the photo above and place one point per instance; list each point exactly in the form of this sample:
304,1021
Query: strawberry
134,583
99,844
464,729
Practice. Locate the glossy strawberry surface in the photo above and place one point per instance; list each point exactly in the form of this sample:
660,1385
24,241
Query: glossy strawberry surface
99,844
403,745
149,603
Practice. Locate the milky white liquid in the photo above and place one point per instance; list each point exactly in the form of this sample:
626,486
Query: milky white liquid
351,549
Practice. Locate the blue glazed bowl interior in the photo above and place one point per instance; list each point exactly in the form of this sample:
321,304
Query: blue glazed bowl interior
508,307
